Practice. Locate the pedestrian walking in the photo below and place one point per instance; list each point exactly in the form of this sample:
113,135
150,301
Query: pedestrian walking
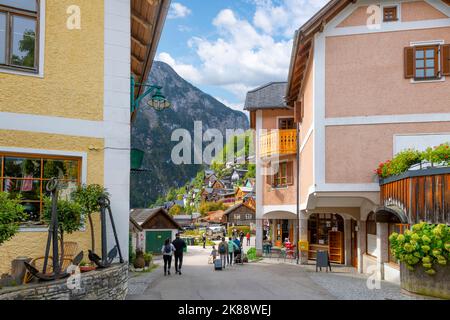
167,250
179,245
204,240
241,237
223,252
232,247
214,253
248,236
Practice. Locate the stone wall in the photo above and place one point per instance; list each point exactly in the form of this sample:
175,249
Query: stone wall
106,284
419,282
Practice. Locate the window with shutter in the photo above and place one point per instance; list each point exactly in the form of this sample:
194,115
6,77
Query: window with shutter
422,62
445,57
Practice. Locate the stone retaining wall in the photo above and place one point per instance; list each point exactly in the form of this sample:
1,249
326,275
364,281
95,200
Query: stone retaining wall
419,282
106,284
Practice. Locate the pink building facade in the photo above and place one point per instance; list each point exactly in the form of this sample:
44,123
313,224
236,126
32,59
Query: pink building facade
367,80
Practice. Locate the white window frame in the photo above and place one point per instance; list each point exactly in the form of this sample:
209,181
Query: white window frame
41,45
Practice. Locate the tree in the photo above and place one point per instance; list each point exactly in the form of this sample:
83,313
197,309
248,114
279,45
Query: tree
11,215
87,197
70,218
176,210
206,207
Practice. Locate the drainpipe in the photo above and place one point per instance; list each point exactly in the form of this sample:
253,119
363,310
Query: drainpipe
298,192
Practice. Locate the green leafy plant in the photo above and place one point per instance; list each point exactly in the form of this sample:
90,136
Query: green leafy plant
70,218
251,254
405,159
148,258
425,244
438,155
87,197
11,215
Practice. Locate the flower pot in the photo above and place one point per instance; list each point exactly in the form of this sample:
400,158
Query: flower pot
85,269
419,282
139,262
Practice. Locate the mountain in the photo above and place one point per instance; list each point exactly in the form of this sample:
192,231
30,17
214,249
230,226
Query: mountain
152,131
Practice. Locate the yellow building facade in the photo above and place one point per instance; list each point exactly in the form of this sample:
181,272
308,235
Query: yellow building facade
65,71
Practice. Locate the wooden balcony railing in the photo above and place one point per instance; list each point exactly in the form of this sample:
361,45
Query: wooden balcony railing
278,142
422,195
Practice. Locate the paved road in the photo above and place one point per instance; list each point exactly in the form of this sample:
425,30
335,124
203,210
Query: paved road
260,281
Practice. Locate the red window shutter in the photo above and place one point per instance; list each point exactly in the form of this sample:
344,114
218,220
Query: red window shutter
410,66
290,173
445,57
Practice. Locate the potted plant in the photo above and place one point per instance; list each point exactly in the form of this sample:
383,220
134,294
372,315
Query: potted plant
11,215
424,252
87,197
148,258
139,262
86,267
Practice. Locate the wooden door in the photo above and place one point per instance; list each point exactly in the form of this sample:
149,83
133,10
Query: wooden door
354,243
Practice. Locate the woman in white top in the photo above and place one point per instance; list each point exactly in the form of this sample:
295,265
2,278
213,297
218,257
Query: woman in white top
167,250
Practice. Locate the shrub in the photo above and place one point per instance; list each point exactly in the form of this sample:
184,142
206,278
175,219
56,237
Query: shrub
251,254
427,244
69,215
11,215
206,207
148,258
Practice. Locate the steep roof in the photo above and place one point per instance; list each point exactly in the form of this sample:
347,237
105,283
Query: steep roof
142,216
233,208
268,96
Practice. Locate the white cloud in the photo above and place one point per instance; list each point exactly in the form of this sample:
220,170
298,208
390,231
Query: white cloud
235,106
247,54
186,71
283,18
177,10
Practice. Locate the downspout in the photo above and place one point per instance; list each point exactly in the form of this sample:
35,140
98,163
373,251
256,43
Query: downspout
298,192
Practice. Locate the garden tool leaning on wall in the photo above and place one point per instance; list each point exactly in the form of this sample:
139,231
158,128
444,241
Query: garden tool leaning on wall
106,260
53,241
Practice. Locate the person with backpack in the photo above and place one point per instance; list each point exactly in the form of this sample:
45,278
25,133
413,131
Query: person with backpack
241,237
223,252
232,247
179,245
167,250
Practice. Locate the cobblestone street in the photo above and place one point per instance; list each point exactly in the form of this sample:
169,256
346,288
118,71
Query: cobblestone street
264,280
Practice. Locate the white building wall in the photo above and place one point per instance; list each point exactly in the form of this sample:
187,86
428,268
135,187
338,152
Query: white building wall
116,122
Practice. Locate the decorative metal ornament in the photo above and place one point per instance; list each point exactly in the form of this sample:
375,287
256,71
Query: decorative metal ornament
106,259
52,240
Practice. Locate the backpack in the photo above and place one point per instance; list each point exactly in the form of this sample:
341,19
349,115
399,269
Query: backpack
222,249
168,248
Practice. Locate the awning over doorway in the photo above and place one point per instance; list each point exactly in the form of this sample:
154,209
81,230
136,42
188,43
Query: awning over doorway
281,215
391,214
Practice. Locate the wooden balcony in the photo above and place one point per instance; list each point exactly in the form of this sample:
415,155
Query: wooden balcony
417,195
278,142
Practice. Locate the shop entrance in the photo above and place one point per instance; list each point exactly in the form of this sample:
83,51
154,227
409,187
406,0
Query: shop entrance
326,233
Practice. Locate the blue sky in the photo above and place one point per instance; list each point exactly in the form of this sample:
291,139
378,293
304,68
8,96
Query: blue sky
227,47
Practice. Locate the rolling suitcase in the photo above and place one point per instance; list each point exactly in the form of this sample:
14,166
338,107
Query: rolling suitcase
218,264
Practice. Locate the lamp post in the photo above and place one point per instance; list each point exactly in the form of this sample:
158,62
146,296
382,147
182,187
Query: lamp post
158,101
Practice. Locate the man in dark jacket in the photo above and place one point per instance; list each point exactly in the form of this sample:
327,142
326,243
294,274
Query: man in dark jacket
179,245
